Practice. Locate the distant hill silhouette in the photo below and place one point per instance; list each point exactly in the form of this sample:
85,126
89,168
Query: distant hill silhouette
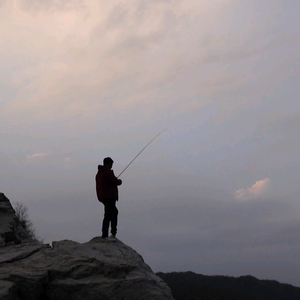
192,286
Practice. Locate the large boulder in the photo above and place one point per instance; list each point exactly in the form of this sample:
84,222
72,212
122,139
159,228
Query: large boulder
71,270
77,271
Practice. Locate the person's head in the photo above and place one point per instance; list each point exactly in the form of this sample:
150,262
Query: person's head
108,162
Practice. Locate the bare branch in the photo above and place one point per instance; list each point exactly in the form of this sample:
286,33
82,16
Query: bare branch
21,211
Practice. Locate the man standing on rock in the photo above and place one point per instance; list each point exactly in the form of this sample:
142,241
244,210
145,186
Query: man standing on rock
107,193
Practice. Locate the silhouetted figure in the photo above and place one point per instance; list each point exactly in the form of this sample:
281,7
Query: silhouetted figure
107,193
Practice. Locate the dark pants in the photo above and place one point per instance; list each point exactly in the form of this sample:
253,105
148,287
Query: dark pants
110,217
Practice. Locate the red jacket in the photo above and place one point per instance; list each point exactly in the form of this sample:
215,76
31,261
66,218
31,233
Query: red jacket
107,184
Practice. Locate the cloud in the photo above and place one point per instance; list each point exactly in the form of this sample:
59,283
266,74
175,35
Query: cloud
51,158
38,156
53,5
257,190
82,64
194,105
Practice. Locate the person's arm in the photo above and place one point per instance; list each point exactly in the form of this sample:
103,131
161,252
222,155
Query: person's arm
113,179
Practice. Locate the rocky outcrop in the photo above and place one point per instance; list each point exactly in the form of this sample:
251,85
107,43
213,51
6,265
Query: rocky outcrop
11,230
75,271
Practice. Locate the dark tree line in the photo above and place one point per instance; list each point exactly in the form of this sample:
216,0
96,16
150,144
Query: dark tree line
191,286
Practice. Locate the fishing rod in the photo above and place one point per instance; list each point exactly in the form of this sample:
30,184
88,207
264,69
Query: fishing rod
142,151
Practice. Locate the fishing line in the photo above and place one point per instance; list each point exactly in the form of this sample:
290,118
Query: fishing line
142,151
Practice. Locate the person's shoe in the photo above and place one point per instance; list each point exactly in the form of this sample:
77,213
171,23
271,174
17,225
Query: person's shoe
113,236
107,239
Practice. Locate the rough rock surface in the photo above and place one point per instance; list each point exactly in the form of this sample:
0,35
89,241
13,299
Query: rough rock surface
11,231
76,271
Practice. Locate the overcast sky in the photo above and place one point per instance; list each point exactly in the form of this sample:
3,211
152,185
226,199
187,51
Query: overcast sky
218,192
